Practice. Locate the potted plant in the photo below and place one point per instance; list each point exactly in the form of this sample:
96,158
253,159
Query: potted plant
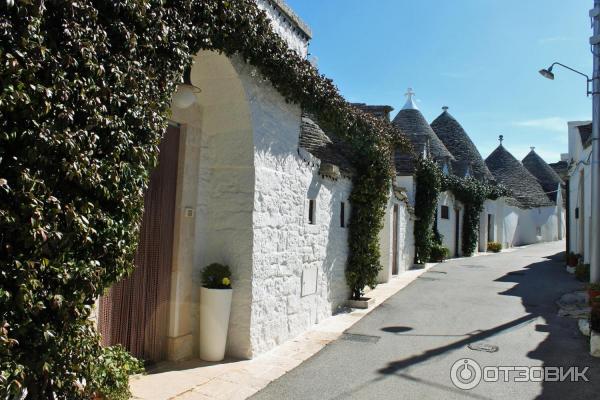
439,253
593,291
572,259
215,307
494,247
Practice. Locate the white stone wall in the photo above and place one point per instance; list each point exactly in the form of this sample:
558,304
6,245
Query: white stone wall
518,227
285,28
580,184
298,268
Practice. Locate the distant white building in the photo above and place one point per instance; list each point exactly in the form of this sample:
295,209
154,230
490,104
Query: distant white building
532,214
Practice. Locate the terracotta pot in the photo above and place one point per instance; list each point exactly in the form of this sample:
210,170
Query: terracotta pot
593,293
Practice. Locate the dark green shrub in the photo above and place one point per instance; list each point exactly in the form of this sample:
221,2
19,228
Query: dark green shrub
439,253
494,247
112,371
84,100
582,272
216,276
428,182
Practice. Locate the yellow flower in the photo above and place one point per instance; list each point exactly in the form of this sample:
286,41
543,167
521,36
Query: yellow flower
226,281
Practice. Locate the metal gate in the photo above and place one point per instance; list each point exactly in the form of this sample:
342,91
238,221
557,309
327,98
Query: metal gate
134,313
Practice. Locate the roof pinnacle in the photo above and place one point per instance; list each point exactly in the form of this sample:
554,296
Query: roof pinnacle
410,103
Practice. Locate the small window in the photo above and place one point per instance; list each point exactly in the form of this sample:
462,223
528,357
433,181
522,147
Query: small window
343,214
311,211
445,170
445,212
577,213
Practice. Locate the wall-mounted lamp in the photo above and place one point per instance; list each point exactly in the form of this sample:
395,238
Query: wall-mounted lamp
547,73
186,92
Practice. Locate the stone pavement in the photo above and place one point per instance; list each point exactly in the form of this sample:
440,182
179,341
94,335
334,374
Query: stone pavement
198,380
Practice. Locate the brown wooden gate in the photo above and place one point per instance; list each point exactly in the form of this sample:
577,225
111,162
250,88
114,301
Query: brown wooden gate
134,313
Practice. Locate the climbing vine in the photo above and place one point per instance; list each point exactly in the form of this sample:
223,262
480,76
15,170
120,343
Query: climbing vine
472,194
428,184
85,88
469,191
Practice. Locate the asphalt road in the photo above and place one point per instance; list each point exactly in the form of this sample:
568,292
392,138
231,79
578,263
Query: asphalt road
405,348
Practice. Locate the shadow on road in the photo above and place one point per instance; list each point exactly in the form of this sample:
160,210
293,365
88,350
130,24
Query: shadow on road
564,345
538,285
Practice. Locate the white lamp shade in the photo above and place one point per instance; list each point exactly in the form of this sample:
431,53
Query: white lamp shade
184,97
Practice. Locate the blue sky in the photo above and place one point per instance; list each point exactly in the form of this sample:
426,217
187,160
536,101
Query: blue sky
478,57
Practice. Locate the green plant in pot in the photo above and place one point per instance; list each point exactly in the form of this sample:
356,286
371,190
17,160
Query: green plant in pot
494,247
215,307
438,253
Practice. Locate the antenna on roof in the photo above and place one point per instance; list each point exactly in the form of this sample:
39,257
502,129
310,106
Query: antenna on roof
501,139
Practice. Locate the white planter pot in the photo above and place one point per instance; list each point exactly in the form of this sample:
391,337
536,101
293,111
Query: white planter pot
595,344
215,307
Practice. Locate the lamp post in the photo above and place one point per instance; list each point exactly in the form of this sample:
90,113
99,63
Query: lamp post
547,73
595,228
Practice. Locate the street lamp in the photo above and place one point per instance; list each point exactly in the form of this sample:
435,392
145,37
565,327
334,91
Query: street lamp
186,92
547,73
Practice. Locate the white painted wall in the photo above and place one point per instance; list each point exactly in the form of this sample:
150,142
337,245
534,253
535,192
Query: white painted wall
285,28
285,246
579,182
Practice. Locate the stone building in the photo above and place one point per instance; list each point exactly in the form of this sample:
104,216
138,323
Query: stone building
579,184
467,163
529,215
256,185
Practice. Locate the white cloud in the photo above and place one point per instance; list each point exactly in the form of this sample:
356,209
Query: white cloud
554,124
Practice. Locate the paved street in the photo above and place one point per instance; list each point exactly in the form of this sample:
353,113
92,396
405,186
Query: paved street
406,347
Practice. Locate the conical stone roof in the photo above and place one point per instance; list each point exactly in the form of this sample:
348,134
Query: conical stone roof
415,126
545,175
511,173
456,140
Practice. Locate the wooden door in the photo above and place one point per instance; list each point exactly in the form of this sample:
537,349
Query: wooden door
135,311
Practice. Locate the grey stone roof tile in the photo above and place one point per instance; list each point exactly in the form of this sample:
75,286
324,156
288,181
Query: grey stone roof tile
456,140
327,148
511,173
545,175
415,126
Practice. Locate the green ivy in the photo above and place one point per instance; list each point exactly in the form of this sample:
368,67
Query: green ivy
428,179
472,194
85,87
